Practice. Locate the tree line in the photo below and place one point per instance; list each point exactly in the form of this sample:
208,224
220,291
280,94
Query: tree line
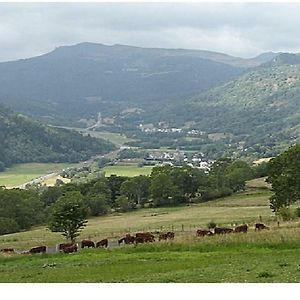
166,186
60,205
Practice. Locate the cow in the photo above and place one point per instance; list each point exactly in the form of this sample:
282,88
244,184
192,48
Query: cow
64,245
120,241
170,235
143,237
163,236
260,226
70,249
102,243
204,232
221,230
147,236
242,228
87,243
40,249
7,250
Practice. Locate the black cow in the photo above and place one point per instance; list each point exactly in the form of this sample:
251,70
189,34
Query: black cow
40,249
204,232
102,243
222,230
260,226
87,243
241,228
70,249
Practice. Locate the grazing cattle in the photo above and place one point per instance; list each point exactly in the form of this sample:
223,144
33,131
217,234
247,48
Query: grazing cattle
128,239
220,230
70,249
102,243
142,237
40,249
87,243
147,236
204,232
260,226
241,228
139,240
64,245
163,236
122,240
171,235
7,250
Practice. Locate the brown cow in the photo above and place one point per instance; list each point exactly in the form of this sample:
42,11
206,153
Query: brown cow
7,250
204,232
221,230
70,249
87,243
163,236
102,243
260,226
139,240
40,249
128,239
171,235
241,228
64,245
147,236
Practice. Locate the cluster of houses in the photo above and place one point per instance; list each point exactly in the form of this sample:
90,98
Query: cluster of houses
179,158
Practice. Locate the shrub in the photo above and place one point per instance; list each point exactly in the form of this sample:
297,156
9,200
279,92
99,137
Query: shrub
212,225
286,213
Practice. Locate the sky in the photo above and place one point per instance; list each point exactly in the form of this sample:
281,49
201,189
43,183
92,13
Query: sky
239,29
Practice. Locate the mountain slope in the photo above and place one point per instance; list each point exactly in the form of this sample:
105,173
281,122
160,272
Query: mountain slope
26,140
76,81
261,107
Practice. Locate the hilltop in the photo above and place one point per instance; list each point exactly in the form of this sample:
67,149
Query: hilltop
76,81
24,139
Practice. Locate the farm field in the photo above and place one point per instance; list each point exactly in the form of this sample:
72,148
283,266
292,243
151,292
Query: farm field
22,173
266,256
127,170
271,256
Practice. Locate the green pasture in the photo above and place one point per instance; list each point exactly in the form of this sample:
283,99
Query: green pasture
114,138
22,173
245,207
271,256
127,170
266,256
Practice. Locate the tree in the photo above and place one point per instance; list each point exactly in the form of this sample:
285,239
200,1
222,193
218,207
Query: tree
124,204
96,204
68,215
284,176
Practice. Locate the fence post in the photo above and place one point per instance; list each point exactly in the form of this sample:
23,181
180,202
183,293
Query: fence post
173,228
182,228
260,218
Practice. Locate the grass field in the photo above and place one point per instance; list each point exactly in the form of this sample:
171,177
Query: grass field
267,256
127,170
23,173
115,138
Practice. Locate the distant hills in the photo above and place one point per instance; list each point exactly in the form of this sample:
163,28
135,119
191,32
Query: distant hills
260,107
77,81
25,140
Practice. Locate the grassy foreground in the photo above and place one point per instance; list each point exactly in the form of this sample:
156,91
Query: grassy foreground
271,256
267,256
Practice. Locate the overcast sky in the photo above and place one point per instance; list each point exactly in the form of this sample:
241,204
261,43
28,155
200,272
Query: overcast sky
238,29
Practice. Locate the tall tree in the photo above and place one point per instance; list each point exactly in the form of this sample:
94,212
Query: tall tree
68,215
284,176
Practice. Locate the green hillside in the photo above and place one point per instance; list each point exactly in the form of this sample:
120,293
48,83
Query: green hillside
25,140
260,108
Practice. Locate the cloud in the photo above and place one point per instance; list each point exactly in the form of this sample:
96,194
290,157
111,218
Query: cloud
241,29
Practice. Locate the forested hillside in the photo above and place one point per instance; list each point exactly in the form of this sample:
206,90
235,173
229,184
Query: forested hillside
77,81
260,108
25,140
